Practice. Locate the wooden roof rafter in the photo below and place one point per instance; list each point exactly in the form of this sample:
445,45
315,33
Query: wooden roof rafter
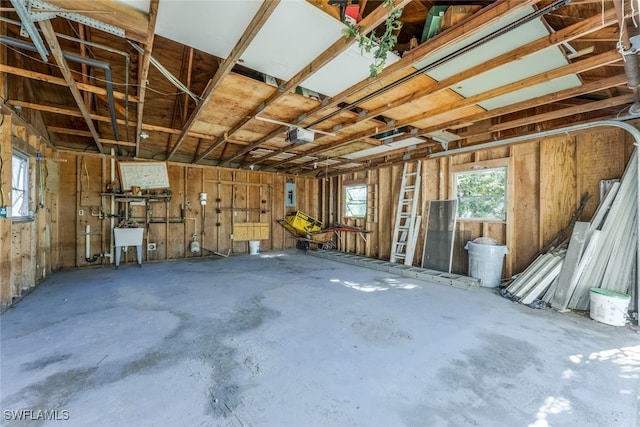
56,52
134,22
479,22
105,119
570,33
542,100
61,81
144,72
258,21
576,67
368,24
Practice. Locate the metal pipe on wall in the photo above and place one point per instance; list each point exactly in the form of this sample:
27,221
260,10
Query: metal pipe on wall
10,41
629,54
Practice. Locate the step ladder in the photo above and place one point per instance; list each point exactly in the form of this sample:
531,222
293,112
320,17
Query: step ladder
405,232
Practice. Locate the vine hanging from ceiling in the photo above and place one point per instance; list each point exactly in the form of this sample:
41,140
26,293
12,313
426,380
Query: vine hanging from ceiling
380,45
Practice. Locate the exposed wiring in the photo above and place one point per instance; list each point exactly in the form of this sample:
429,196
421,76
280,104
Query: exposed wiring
78,73
173,79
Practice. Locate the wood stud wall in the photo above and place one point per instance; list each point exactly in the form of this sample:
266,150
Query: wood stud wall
27,252
546,181
233,197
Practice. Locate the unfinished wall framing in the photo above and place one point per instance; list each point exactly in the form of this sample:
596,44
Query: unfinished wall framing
233,198
28,246
546,180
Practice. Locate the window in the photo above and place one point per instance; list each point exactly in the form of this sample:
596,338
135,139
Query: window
482,194
19,186
355,205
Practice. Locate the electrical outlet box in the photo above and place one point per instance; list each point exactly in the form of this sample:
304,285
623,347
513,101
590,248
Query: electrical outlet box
81,212
151,246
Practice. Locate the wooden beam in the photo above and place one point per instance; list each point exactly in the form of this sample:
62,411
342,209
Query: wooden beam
6,200
590,87
74,113
567,34
146,61
260,18
56,51
368,24
185,106
462,103
485,115
478,23
484,19
131,20
76,132
60,81
551,115
574,68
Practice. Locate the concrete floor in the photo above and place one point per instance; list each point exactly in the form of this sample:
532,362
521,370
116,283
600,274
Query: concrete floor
286,339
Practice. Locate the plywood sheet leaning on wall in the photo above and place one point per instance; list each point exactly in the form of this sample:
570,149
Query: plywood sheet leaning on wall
558,195
600,155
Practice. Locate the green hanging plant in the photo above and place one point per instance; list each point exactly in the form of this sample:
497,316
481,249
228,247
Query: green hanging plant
382,44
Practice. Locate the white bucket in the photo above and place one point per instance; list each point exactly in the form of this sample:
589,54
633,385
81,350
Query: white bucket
254,247
609,307
485,262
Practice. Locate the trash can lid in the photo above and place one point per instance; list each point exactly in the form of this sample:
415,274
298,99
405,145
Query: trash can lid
485,241
610,293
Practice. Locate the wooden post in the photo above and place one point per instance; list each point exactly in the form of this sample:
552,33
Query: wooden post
5,222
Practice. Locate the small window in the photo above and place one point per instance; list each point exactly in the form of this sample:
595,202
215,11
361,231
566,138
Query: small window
482,194
355,201
19,186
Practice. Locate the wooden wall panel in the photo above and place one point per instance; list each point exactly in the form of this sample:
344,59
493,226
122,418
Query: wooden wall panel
558,185
5,223
600,155
279,236
68,214
89,183
525,211
27,252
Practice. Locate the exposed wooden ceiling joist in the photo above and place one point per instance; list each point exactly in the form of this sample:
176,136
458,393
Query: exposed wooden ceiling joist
225,129
56,51
367,25
260,18
144,69
132,21
61,82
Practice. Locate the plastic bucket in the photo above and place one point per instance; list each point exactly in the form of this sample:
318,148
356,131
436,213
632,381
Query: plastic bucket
609,307
485,262
254,247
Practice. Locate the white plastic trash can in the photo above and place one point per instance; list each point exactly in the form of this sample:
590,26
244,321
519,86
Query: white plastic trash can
254,247
608,306
486,260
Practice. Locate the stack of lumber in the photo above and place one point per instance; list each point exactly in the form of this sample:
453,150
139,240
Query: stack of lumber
601,254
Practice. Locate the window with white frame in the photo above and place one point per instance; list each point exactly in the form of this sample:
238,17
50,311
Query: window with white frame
482,194
19,186
355,201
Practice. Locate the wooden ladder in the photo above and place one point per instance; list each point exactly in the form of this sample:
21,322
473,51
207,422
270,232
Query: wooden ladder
405,232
